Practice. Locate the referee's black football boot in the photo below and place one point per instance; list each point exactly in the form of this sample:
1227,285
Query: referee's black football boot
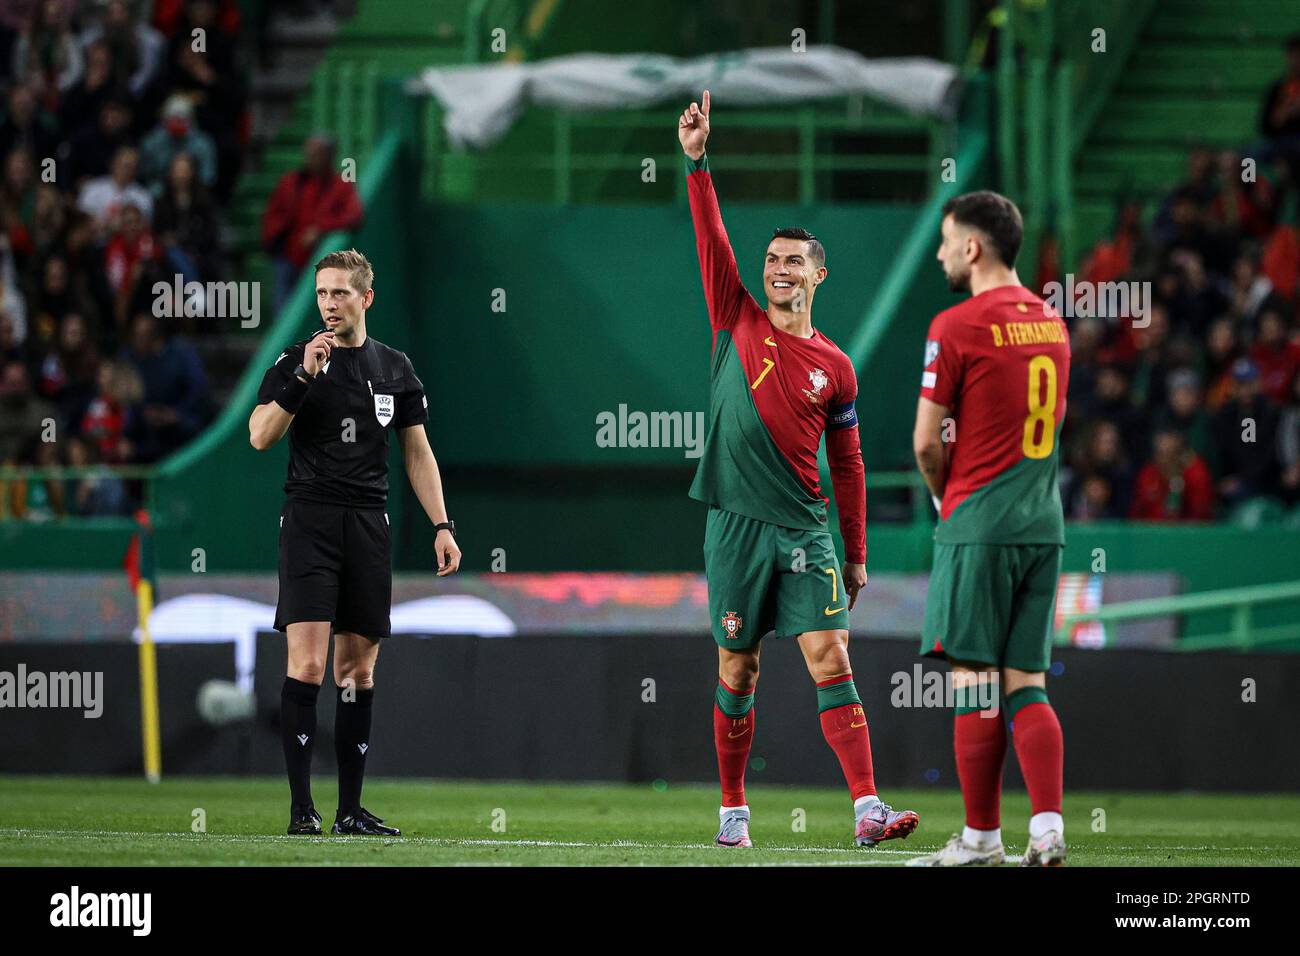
361,822
304,821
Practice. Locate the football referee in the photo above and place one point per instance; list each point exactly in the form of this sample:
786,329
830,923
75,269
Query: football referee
338,395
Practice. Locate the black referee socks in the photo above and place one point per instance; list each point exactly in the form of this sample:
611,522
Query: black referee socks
351,742
298,733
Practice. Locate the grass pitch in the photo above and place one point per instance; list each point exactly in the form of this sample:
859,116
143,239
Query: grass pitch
98,821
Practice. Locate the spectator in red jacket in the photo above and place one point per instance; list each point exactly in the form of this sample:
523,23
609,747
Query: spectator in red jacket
1242,208
112,416
169,14
130,258
1277,358
1175,485
306,204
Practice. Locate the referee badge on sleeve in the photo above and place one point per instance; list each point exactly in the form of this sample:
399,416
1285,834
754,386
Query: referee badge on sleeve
384,409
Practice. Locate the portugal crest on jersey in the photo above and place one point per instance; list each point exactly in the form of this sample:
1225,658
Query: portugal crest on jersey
384,409
817,379
731,623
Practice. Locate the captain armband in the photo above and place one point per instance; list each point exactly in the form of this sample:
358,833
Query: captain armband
841,416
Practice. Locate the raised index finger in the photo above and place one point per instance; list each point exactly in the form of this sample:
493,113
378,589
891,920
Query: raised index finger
704,106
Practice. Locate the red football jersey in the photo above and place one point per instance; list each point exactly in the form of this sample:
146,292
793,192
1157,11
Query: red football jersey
1000,362
801,388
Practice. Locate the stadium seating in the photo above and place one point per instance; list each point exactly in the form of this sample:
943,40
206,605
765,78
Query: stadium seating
1196,80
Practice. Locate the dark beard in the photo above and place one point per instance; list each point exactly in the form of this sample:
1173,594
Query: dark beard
959,283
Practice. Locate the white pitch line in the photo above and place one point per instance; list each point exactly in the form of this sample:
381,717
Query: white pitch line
1105,848
429,841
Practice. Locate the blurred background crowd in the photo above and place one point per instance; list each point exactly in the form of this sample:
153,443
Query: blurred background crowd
124,128
123,141
1196,415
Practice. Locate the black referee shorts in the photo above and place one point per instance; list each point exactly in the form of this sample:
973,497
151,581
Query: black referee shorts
335,566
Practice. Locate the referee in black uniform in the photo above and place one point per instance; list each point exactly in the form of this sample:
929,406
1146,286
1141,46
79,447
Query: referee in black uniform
338,395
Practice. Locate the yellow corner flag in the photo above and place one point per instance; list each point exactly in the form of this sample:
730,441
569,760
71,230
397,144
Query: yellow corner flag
139,566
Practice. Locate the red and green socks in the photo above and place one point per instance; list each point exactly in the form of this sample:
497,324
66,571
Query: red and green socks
980,745
733,734
844,725
1040,749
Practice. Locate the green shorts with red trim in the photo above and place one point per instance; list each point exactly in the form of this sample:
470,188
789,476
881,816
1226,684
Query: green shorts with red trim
992,604
763,577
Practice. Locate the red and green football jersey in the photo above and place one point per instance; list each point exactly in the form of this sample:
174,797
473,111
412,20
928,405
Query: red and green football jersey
1000,362
772,396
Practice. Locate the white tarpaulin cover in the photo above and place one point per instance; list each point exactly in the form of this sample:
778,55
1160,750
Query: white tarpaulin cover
482,102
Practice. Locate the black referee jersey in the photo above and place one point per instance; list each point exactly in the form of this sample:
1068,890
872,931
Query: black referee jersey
338,441
334,551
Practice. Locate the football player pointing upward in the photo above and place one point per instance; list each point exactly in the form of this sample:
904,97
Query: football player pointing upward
776,385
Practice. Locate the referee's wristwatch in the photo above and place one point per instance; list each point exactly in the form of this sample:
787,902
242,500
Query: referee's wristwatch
303,375
445,526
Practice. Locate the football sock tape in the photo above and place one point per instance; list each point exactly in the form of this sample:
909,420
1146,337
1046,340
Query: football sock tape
836,692
1022,698
733,703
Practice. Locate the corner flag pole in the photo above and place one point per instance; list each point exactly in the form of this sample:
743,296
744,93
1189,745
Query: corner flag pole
139,567
148,686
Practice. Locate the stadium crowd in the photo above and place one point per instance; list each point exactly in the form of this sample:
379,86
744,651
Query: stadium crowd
1192,411
121,142
120,145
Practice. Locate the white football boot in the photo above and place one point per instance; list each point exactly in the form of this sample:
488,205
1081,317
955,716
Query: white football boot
733,828
1047,850
957,852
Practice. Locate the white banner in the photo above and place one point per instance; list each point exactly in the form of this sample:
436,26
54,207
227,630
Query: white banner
482,102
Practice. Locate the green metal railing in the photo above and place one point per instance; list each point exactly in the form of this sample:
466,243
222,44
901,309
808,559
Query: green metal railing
809,134
345,99
525,26
483,17
909,481
1053,81
806,159
1243,633
230,419
921,238
16,481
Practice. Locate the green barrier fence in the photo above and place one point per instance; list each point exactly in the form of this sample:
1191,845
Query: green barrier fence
1245,632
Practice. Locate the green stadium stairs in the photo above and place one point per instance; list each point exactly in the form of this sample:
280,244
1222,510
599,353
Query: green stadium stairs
1196,78
379,32
284,114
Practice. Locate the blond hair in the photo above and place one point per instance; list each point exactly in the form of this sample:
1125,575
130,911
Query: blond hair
360,273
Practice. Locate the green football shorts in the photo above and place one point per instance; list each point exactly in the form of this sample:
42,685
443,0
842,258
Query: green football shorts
992,604
763,577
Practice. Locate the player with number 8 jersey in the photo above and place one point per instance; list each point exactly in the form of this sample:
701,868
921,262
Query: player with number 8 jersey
988,425
1000,362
